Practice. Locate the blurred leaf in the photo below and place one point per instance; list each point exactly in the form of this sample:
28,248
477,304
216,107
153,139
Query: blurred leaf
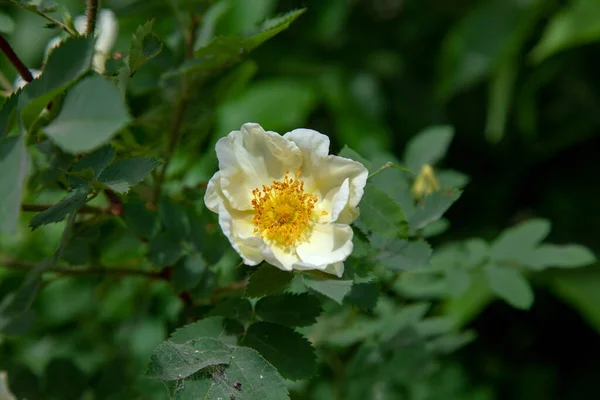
287,350
428,147
247,370
188,272
335,289
289,309
211,327
467,56
66,63
451,179
64,380
363,295
142,221
171,361
519,241
347,152
499,100
97,160
162,250
381,214
404,255
145,45
7,25
243,16
174,218
575,25
510,285
267,280
432,208
126,173
92,113
277,103
239,309
477,251
551,255
71,202
224,51
14,164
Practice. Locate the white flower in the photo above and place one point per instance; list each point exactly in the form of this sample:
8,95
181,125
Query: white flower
284,200
107,29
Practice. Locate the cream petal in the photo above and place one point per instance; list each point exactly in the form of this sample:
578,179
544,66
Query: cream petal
213,195
238,228
340,200
335,269
313,145
280,258
250,158
327,244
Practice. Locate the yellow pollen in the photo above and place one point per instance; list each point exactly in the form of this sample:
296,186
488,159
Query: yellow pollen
283,210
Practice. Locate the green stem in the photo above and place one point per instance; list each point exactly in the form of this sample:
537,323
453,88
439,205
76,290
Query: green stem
42,207
389,165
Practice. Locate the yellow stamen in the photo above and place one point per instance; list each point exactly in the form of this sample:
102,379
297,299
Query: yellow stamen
283,210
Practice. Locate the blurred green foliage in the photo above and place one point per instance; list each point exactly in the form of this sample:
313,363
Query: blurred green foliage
503,91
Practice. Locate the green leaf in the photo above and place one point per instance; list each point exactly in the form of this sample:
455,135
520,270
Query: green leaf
433,207
126,173
66,63
335,289
93,112
579,288
406,256
174,218
14,164
289,309
267,280
71,202
381,214
575,25
142,221
247,370
467,56
7,112
144,46
287,350
162,250
477,251
64,380
211,327
551,255
97,160
188,272
172,361
519,241
510,285
239,309
363,295
499,100
227,50
428,147
347,152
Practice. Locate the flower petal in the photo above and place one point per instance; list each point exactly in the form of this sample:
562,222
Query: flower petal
280,258
213,195
250,158
327,244
238,228
335,269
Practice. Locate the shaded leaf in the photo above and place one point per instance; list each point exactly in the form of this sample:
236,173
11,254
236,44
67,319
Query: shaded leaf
162,250
510,285
433,207
363,295
406,256
71,202
14,163
335,289
93,111
172,361
142,221
145,45
174,218
267,280
520,240
207,327
289,309
287,350
381,214
551,255
97,160
188,272
239,309
347,152
124,174
428,147
7,112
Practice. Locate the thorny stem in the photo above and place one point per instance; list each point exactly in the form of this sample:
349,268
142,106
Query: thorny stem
386,166
180,109
91,13
15,60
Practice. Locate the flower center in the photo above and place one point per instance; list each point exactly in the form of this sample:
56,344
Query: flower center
283,210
